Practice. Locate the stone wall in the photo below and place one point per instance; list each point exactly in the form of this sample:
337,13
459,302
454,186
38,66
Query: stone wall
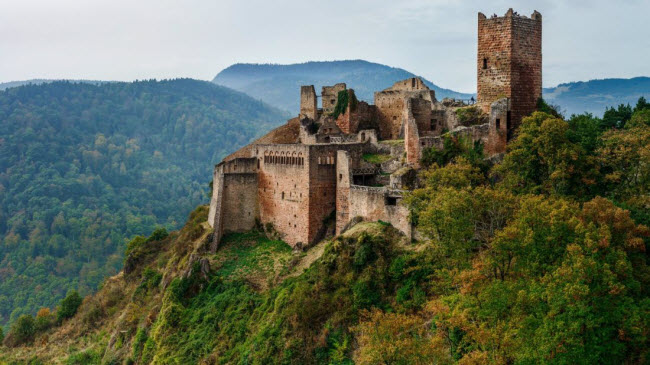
308,103
329,97
283,190
239,202
391,103
411,136
498,127
374,204
390,108
509,62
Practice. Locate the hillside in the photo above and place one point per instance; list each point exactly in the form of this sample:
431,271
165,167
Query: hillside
595,95
541,258
279,85
84,167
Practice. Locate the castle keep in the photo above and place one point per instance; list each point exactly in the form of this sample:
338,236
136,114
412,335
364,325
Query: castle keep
349,160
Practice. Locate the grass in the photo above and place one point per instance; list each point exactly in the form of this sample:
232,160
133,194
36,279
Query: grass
251,256
376,158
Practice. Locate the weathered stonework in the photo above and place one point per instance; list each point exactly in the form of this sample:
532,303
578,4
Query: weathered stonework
509,62
317,173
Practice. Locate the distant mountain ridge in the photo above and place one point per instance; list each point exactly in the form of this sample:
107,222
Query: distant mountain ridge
10,84
279,85
594,96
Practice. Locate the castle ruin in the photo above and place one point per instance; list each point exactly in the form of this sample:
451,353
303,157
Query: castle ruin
349,160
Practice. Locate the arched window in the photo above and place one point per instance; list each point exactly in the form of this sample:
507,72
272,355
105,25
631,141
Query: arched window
485,63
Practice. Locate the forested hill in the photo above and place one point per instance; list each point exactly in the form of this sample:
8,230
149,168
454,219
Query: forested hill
279,85
84,167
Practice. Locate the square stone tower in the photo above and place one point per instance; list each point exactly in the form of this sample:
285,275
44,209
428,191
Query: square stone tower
509,63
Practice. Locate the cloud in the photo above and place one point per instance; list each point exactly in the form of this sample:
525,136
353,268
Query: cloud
126,40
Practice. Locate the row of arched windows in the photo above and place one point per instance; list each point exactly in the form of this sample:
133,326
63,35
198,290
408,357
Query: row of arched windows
326,160
282,159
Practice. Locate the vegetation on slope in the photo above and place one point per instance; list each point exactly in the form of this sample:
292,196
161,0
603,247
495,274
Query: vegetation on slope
539,259
83,166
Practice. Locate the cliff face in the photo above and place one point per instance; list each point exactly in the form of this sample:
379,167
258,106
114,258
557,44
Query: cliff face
254,300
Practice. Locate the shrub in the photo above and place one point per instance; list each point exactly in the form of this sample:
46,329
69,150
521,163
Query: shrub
69,305
43,319
22,331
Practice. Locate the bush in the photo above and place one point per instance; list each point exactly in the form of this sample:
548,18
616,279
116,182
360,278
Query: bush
22,331
69,305
44,320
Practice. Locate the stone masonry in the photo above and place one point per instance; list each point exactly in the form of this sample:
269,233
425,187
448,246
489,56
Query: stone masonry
319,173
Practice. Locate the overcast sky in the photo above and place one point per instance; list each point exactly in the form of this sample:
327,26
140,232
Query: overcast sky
141,39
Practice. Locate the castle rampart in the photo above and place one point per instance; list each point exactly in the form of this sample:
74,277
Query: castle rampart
317,174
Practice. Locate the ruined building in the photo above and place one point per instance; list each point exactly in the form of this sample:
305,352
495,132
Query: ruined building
349,160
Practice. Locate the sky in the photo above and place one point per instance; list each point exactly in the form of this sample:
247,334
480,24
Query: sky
143,39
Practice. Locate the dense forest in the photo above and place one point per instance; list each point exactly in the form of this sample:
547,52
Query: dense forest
540,258
83,167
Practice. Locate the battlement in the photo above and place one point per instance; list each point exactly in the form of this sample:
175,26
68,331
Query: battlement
512,14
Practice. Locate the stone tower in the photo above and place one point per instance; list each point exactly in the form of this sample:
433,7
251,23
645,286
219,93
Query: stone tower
509,63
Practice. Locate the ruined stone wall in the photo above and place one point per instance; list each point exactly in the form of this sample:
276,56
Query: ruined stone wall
498,127
329,97
411,84
375,204
232,206
283,190
509,62
474,133
240,202
308,103
390,109
421,110
411,136
362,116
322,188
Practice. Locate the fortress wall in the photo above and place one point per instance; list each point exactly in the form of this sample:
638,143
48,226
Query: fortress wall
308,103
509,62
362,116
283,190
322,188
240,202
498,127
375,204
421,110
329,97
390,108
526,66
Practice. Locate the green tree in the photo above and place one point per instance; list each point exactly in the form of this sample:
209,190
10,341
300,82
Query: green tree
69,305
22,331
616,118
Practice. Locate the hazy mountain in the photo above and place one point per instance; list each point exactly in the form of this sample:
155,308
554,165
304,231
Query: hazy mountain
595,95
83,167
6,85
279,85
